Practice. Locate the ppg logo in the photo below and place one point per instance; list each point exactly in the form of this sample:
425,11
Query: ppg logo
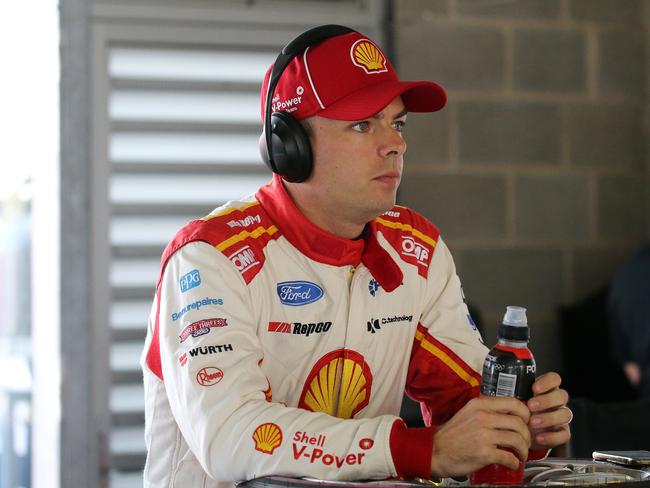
190,280
297,293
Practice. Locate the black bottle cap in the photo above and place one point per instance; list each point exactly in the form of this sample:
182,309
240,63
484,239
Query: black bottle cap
514,333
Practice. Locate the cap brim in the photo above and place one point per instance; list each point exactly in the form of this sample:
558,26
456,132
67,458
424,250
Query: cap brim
418,96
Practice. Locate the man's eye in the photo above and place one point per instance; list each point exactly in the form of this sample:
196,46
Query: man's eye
399,125
361,126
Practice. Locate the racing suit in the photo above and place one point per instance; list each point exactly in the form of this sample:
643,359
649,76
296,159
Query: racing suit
274,347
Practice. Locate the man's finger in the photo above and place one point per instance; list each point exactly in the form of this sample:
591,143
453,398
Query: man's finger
560,416
507,405
546,382
551,400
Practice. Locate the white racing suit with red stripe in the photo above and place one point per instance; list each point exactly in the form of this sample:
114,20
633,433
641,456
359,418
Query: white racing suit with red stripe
275,348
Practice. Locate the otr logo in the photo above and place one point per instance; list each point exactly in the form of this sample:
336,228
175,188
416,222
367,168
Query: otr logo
190,280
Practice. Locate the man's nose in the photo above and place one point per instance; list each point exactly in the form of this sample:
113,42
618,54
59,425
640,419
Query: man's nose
392,143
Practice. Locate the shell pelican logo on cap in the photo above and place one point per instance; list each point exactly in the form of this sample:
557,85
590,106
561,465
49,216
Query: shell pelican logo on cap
267,438
339,384
366,55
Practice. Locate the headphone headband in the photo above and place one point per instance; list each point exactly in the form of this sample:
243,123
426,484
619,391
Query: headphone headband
290,51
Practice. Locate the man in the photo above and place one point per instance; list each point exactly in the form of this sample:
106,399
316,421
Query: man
287,326
629,320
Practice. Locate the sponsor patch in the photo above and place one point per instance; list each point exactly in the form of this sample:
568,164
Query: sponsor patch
196,306
470,320
373,286
244,259
183,359
392,213
209,376
298,293
339,384
202,327
366,444
375,324
246,221
204,350
190,280
267,438
411,247
318,454
367,56
300,328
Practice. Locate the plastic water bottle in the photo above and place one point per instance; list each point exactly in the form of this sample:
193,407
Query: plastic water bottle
508,370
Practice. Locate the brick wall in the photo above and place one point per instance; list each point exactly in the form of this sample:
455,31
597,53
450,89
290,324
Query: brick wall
536,171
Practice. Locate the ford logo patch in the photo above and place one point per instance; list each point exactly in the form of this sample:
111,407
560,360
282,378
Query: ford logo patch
297,293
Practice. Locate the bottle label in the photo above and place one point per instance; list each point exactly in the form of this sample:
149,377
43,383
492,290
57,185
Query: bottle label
505,374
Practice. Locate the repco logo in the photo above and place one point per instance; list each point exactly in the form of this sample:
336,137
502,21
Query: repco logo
244,259
410,247
300,328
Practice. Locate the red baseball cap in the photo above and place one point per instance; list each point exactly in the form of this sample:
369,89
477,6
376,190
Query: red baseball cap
346,77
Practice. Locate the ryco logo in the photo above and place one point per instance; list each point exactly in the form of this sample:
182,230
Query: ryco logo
190,280
297,293
209,376
202,327
267,438
410,247
300,328
244,259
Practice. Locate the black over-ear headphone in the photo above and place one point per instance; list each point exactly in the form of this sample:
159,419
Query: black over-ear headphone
285,147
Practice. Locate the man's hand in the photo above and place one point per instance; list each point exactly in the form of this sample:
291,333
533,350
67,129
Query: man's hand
550,417
470,439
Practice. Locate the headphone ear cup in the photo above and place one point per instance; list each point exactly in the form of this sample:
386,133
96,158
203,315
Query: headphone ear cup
290,148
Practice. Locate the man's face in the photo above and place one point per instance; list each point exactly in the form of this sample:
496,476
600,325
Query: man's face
358,164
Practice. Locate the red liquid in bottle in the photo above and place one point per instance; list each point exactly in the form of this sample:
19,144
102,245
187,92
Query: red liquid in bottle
496,474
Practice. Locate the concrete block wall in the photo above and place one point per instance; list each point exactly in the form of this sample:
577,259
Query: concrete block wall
536,172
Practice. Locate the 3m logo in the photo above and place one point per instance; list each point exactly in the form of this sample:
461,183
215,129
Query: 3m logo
244,259
190,280
410,247
267,438
284,327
